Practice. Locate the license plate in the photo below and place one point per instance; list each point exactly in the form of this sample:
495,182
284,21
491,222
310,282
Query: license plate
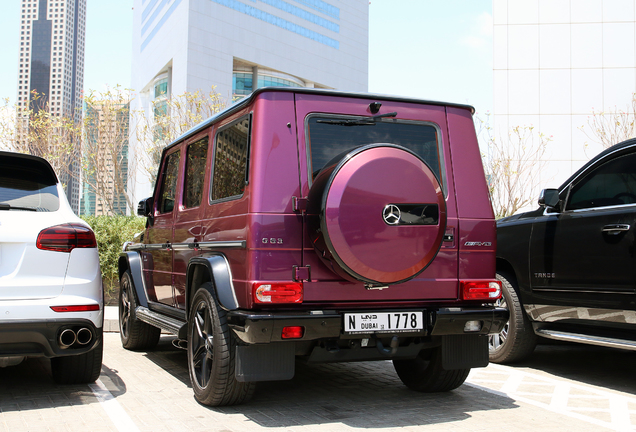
375,322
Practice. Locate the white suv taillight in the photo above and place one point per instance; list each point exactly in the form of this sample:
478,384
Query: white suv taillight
65,238
487,290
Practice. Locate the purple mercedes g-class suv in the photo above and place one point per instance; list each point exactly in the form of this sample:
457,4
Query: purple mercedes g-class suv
319,226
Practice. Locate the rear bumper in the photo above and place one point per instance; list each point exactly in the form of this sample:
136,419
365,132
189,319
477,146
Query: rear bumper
266,327
34,338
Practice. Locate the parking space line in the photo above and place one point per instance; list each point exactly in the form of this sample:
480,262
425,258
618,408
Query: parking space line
117,414
565,398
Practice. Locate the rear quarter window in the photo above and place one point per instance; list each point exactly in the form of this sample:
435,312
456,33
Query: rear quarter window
231,151
27,184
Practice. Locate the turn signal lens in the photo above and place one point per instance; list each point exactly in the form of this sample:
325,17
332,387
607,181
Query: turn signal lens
278,292
65,238
480,290
76,308
295,332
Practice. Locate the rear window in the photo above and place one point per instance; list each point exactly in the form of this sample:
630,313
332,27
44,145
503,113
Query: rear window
27,184
328,137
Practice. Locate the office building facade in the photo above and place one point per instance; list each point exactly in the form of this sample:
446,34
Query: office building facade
556,62
237,46
51,64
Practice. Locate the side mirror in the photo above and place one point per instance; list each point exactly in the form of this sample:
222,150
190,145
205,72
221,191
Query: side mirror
145,207
549,198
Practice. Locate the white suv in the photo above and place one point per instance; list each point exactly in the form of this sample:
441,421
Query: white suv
51,298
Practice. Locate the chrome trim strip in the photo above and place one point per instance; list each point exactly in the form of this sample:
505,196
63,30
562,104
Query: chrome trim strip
241,244
147,247
573,291
163,322
587,339
182,246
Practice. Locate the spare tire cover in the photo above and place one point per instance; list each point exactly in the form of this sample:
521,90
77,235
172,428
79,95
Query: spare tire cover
377,214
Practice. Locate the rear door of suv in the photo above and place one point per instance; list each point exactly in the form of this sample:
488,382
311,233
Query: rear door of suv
321,136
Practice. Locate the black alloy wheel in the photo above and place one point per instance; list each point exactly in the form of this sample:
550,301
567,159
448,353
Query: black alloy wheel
497,340
202,344
212,353
134,334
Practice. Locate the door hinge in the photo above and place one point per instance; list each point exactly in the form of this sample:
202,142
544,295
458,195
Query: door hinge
300,274
299,204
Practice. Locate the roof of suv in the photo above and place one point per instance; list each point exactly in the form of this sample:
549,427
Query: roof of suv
248,99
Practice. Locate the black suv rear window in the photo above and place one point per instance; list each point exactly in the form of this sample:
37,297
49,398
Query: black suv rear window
27,184
330,136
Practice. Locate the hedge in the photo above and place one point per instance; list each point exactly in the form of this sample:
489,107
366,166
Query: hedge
111,233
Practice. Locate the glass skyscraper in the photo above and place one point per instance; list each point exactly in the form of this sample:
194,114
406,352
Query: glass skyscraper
52,63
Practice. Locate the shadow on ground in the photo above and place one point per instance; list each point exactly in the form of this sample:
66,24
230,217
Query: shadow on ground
30,386
363,395
604,367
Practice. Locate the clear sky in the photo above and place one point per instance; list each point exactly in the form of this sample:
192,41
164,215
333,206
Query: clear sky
429,49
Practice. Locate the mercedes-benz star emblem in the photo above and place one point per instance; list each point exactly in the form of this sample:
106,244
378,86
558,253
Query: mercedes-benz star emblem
391,214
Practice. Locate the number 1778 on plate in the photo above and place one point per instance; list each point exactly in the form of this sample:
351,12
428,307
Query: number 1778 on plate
396,322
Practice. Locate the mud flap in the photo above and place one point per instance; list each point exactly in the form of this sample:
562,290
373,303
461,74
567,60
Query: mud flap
265,362
464,351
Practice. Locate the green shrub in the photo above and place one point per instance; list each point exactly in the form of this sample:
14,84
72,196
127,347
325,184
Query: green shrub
111,233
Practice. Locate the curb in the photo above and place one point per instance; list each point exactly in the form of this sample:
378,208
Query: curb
111,319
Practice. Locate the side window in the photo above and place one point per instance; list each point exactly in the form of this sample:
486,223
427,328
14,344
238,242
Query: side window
231,147
169,183
613,183
197,155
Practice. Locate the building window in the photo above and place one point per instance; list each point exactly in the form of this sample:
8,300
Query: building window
161,88
242,83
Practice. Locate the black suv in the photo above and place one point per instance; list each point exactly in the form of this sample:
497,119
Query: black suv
568,267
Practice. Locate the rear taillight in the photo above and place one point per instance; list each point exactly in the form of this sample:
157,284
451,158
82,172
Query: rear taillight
65,238
487,290
278,292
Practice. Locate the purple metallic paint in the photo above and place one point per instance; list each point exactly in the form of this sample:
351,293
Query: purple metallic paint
356,196
279,171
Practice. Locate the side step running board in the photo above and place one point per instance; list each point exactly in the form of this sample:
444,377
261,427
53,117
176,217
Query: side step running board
588,339
169,324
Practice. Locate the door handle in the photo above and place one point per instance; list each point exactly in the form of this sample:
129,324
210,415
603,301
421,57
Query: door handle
614,229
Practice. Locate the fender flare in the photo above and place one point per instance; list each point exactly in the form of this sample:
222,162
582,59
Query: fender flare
132,261
219,272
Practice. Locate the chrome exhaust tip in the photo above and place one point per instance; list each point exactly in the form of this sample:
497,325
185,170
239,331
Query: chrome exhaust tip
67,338
84,336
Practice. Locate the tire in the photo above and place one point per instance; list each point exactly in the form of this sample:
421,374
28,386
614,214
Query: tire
78,369
425,373
211,354
517,339
134,334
